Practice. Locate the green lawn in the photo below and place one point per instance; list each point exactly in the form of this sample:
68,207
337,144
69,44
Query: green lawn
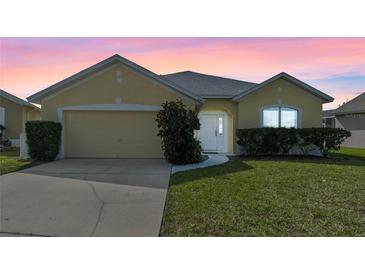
10,162
270,197
346,152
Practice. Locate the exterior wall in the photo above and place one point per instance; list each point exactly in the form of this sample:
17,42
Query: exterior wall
230,107
351,121
289,95
33,114
103,88
357,139
356,125
13,118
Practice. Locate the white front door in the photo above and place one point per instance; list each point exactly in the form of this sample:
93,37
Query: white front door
211,132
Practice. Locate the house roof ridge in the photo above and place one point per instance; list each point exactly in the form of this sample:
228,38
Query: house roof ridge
209,75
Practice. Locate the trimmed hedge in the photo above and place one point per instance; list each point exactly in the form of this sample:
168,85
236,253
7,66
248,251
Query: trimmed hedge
43,139
324,138
176,128
269,141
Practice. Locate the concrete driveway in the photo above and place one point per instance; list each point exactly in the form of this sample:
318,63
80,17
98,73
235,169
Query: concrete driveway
86,197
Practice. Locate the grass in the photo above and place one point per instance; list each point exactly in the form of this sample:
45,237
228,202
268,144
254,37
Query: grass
10,162
348,152
277,196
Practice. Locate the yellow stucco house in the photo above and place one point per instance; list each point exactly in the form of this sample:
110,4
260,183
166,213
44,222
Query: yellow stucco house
14,112
108,110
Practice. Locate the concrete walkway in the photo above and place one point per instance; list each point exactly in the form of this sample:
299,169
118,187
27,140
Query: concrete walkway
88,197
213,160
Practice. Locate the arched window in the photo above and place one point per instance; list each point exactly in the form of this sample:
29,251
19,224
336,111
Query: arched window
279,117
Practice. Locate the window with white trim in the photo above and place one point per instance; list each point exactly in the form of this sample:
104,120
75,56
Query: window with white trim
279,117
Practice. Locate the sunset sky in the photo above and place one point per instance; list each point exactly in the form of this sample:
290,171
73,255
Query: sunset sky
335,66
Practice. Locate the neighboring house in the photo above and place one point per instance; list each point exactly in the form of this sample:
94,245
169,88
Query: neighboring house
328,118
14,112
109,109
350,116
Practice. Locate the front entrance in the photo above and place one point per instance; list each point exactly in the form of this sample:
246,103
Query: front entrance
212,134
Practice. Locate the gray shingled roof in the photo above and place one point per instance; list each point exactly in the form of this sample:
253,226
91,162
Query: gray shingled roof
209,86
355,105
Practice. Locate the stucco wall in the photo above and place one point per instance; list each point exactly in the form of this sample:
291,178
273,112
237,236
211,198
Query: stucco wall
103,88
33,114
13,118
289,95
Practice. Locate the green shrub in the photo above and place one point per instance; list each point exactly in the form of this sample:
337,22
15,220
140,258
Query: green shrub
176,128
250,139
324,138
43,139
288,138
268,141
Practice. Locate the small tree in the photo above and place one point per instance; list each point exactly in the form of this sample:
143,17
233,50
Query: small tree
176,128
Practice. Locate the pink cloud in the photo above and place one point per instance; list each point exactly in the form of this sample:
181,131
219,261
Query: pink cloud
30,64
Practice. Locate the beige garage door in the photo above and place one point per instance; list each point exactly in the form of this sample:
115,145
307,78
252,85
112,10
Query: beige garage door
111,134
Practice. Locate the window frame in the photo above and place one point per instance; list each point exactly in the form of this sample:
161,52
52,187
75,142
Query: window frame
279,107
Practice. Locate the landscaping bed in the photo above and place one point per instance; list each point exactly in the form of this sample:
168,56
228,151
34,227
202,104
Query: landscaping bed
275,196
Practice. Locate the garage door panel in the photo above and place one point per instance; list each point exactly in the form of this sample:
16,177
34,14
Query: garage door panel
103,134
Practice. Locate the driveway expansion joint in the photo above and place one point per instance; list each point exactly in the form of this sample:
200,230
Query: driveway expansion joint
102,203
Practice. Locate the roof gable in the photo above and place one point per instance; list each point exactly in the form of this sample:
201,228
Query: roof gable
15,99
209,86
357,104
291,79
102,65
